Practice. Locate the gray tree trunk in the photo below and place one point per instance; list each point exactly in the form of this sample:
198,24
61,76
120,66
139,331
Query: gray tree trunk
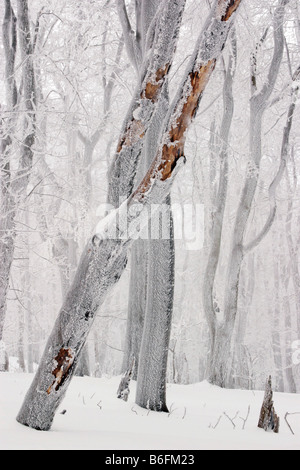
149,256
218,204
9,33
13,187
104,258
151,380
221,353
145,13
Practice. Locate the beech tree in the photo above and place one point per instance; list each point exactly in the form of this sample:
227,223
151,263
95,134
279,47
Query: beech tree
104,258
14,184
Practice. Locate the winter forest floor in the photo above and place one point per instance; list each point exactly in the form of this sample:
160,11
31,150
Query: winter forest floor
95,419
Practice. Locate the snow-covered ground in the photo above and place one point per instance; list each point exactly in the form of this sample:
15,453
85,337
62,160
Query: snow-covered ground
96,419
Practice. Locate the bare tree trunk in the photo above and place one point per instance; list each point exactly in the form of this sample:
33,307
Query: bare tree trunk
13,188
7,235
104,258
221,353
140,250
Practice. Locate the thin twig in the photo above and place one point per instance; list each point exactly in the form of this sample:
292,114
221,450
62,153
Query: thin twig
246,419
285,418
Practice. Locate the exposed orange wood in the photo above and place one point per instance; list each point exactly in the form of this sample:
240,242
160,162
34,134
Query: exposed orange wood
172,152
136,129
64,361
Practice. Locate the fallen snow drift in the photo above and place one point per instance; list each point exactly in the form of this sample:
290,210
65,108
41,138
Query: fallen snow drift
92,418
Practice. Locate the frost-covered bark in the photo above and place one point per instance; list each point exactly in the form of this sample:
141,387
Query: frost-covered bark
104,259
143,255
151,380
220,355
6,221
14,185
268,419
161,40
151,391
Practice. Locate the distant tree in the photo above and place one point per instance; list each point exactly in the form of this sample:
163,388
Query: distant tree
15,183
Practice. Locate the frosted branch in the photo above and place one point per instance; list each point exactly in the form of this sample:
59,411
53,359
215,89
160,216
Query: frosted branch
276,181
263,96
131,43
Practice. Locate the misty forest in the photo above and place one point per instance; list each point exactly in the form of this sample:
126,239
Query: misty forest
150,196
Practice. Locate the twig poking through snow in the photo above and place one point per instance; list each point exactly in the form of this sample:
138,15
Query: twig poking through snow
246,419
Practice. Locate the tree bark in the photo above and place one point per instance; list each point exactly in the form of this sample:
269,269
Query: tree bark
13,187
104,258
220,367
140,250
268,419
217,216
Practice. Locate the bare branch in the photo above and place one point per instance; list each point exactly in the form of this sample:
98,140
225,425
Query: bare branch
246,419
263,96
131,43
276,181
286,420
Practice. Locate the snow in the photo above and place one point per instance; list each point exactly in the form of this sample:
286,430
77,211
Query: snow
96,420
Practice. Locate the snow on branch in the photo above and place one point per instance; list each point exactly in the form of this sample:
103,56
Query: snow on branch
132,45
278,177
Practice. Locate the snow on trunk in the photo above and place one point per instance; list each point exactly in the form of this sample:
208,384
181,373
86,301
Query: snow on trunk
220,369
104,258
151,380
161,41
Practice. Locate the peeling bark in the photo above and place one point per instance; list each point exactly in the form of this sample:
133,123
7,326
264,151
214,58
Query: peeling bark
154,92
184,108
100,268
64,361
164,31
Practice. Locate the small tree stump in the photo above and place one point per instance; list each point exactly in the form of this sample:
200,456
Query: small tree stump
123,390
268,419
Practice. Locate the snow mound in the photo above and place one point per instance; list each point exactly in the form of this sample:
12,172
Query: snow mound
202,417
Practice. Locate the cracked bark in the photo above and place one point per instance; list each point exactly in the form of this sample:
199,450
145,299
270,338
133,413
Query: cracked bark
101,265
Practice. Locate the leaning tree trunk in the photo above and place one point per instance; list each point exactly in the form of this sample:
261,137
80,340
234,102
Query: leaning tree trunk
104,258
9,33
